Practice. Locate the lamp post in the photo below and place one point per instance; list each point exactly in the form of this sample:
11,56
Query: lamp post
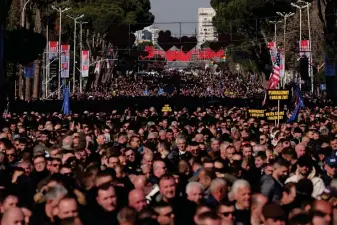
307,5
275,27
74,64
81,81
300,8
23,13
285,16
60,10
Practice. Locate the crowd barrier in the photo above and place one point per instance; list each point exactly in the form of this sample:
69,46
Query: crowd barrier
121,103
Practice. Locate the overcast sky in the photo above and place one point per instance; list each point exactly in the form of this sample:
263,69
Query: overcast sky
174,11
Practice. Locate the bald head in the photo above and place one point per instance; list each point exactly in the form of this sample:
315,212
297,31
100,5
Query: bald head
13,216
140,182
137,199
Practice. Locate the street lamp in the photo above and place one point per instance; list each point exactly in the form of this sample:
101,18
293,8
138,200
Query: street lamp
306,5
81,23
300,8
74,65
23,14
60,10
275,27
285,16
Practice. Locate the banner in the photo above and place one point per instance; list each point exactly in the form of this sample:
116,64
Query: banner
28,70
282,64
276,115
256,113
65,61
97,68
52,50
85,63
278,94
305,48
274,78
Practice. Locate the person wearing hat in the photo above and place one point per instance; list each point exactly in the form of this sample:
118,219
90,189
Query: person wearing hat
305,169
273,214
330,170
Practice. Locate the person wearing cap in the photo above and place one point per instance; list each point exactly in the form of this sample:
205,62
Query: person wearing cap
305,169
330,170
273,214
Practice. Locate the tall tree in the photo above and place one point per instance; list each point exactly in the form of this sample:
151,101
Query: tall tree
110,28
249,19
328,17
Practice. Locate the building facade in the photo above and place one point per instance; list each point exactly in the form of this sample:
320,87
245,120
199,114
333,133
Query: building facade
206,30
149,34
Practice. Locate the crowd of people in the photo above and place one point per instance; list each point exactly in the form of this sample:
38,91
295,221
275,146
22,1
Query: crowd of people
170,83
208,166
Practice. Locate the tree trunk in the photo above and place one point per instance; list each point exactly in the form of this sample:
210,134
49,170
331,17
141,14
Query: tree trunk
27,90
20,82
38,29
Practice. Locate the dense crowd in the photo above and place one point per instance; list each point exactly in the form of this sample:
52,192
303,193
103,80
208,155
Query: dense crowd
209,166
170,83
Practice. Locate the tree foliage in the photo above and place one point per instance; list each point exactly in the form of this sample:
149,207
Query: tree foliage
247,22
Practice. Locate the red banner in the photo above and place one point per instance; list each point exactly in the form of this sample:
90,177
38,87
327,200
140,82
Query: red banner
85,63
52,49
65,61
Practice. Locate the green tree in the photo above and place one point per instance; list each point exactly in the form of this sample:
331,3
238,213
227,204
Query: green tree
249,21
110,28
327,14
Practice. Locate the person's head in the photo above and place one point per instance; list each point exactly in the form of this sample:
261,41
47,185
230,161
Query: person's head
324,207
241,192
101,139
55,165
137,199
206,177
130,155
104,177
39,163
147,159
134,142
165,214
301,218
167,187
218,188
330,166
300,150
8,200
27,166
280,169
67,207
113,161
181,144
209,218
159,168
53,197
304,165
202,208
289,193
273,214
11,154
260,160
13,216
127,216
194,192
247,150
106,197
226,211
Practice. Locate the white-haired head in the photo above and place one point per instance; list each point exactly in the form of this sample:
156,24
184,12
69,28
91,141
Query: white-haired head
217,184
192,185
238,184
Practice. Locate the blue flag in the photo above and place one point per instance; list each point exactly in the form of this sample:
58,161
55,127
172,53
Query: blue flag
66,104
146,92
28,71
160,91
299,105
